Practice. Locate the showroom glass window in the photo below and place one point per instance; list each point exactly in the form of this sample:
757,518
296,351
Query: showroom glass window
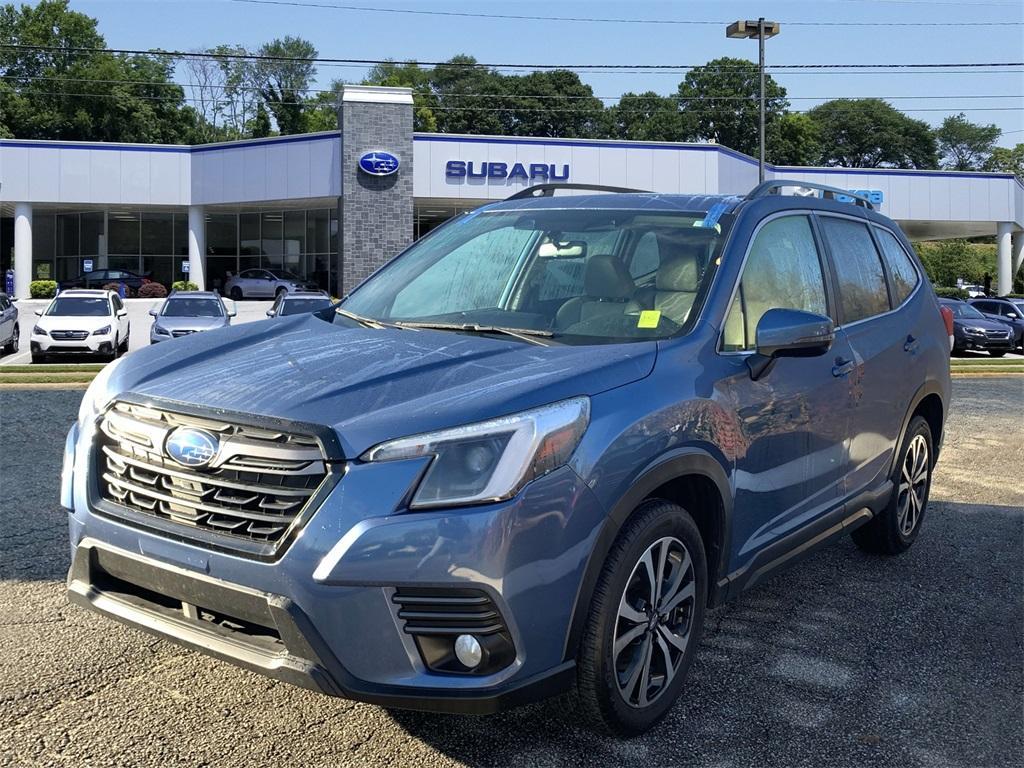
861,279
783,271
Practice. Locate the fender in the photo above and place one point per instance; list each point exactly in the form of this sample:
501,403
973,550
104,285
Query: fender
930,387
668,466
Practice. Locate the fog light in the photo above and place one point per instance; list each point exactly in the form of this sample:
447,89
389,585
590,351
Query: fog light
468,650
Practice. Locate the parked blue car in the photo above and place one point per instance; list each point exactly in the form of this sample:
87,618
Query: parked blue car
1008,311
526,455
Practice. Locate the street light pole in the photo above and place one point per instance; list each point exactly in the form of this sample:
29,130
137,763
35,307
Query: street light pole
762,30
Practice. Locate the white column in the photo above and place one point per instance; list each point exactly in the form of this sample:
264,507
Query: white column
1004,232
1017,247
197,246
22,249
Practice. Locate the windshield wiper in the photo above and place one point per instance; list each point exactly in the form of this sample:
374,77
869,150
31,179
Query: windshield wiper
529,335
366,321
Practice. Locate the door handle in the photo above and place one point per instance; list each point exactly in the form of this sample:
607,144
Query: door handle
910,345
842,367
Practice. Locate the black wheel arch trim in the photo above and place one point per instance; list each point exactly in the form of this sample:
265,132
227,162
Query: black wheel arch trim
670,466
929,387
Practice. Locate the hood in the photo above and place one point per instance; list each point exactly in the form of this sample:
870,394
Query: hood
984,324
189,323
73,322
372,385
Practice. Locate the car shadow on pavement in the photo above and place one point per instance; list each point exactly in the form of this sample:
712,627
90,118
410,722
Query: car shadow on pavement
844,659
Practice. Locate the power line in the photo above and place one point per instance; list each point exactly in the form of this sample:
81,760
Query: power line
479,65
604,20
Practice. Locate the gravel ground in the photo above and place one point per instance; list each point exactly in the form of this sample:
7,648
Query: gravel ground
844,660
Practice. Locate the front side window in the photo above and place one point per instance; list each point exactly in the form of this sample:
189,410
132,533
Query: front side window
303,306
561,272
861,281
79,306
783,271
193,308
901,268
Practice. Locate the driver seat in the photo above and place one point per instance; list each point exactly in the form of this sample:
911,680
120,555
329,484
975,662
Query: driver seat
607,291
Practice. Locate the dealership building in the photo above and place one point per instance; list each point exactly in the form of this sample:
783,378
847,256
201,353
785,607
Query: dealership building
333,206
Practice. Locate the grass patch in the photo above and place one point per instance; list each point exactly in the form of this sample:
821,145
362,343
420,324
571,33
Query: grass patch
91,368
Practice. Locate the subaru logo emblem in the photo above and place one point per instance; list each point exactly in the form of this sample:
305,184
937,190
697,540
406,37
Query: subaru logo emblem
192,447
379,163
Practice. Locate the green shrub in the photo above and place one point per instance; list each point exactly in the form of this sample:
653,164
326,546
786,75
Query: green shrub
42,289
950,292
184,285
152,291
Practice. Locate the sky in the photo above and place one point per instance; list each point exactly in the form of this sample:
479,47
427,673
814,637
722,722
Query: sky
983,95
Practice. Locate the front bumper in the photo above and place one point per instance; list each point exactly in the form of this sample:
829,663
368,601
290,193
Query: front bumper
321,614
89,345
984,344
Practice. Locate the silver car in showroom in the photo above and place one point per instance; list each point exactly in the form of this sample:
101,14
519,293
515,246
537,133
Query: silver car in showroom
188,312
265,284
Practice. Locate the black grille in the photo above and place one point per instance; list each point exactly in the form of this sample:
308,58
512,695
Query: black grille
997,334
447,612
176,334
69,335
254,488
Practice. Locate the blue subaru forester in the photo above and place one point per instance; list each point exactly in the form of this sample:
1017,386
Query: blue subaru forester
526,455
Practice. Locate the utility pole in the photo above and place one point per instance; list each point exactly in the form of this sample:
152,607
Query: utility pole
762,30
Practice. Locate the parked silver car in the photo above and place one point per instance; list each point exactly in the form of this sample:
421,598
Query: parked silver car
188,312
299,302
265,283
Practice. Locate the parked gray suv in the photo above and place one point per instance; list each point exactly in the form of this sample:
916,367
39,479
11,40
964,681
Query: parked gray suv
188,312
526,455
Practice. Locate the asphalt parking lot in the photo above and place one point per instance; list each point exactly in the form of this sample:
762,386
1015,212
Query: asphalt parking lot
844,660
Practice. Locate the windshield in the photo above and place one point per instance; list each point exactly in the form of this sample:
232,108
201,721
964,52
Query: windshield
79,306
193,308
584,276
299,306
1020,307
966,311
284,274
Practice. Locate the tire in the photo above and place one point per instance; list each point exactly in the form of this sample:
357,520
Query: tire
38,358
993,353
12,346
236,293
280,292
895,529
619,702
127,338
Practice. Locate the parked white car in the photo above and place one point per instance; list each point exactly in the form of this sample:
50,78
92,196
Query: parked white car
265,283
82,322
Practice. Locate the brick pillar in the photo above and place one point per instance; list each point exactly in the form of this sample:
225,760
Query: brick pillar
376,211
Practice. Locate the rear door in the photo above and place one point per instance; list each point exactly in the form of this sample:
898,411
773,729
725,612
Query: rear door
7,317
793,419
884,334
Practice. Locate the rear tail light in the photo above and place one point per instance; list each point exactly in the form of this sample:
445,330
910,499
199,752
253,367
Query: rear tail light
947,318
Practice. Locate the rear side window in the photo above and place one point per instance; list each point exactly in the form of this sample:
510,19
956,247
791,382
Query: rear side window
783,271
901,269
861,281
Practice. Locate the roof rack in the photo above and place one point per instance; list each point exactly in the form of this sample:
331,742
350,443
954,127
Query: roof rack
772,187
548,190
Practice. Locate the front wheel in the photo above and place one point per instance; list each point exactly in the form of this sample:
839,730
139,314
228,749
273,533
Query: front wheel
12,346
645,621
894,530
1000,353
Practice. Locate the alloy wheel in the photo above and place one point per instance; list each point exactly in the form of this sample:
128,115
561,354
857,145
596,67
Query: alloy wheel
913,486
654,622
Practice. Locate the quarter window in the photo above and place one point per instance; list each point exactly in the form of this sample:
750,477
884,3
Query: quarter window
783,271
646,257
861,281
901,269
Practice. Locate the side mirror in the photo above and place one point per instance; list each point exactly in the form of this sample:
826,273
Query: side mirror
153,312
789,333
39,313
122,313
1012,315
232,312
271,313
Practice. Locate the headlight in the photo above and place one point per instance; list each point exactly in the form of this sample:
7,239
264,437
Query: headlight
101,331
96,396
491,460
161,331
40,331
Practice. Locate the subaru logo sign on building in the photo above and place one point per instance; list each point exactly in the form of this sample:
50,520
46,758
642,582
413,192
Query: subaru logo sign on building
192,447
379,163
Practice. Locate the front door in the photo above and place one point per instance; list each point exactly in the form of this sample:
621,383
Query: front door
792,452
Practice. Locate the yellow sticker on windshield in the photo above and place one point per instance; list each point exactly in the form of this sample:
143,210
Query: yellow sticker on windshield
649,318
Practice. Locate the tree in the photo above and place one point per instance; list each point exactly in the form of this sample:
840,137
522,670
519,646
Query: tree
552,103
794,139
1006,160
322,109
469,98
963,145
648,117
259,127
721,100
409,75
283,74
871,133
241,95
88,93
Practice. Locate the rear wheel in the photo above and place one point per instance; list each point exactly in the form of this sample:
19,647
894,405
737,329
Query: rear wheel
896,527
645,621
236,293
